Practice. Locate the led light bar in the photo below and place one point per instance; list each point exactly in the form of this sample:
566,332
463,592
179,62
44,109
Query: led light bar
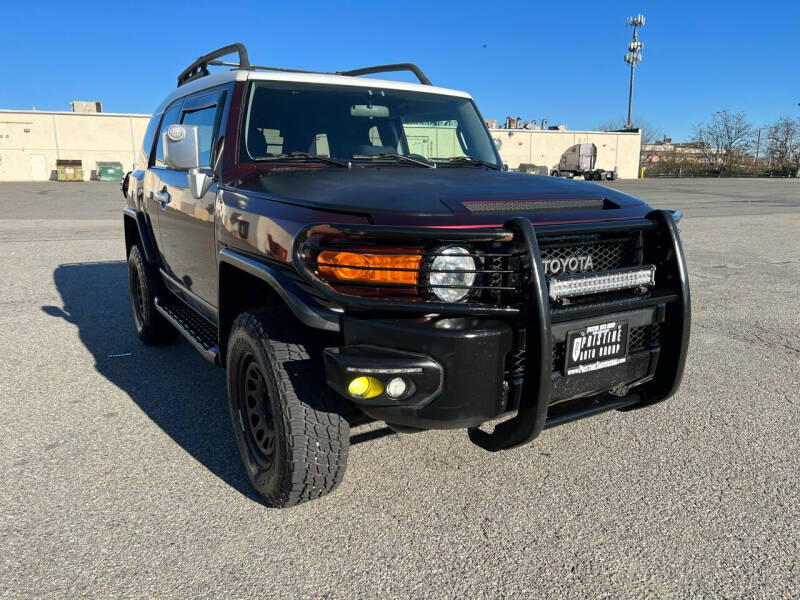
582,284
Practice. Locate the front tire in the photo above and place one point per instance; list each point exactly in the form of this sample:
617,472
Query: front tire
144,285
289,426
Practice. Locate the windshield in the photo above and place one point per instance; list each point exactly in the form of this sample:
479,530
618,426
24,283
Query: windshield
372,124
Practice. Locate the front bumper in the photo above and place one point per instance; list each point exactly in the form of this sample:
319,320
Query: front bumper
470,355
467,355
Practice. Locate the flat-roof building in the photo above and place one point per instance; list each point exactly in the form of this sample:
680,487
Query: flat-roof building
31,141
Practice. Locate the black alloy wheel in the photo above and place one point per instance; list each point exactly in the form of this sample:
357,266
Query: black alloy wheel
144,285
255,411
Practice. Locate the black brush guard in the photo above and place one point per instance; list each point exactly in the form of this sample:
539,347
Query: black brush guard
535,412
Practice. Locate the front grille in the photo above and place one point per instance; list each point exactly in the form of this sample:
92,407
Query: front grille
641,338
515,363
559,354
495,264
606,254
646,337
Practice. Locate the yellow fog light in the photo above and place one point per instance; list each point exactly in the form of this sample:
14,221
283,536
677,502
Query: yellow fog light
365,387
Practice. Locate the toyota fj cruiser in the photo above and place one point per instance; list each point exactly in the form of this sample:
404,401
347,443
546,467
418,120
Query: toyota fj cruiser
349,247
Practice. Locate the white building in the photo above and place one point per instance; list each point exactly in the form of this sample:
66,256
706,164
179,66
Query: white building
544,147
31,141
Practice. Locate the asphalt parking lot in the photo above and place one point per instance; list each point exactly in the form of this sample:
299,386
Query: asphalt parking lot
119,475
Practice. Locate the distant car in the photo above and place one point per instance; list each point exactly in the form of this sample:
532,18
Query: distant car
351,248
532,169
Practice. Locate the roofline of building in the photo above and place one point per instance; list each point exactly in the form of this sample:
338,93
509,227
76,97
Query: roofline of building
566,131
6,111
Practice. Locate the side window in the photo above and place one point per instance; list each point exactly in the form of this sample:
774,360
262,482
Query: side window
171,116
204,118
149,134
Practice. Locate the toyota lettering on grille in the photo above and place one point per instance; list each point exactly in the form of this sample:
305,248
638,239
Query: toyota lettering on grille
568,264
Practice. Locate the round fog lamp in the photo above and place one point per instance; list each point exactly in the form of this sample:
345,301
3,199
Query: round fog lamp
396,387
452,274
365,387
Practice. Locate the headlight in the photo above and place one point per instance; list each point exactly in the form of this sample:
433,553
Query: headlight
454,266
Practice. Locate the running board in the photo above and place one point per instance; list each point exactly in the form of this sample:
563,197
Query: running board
200,332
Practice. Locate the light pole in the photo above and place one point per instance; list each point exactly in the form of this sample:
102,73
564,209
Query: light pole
633,58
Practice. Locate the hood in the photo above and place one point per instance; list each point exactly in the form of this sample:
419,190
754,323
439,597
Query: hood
472,194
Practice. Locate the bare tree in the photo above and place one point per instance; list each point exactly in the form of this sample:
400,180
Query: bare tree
783,144
725,140
649,132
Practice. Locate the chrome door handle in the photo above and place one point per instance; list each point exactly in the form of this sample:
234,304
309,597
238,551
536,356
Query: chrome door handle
162,197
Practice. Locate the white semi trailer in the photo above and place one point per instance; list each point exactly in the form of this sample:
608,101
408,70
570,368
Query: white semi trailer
580,159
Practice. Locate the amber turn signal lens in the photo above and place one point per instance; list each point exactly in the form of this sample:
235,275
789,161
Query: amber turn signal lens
380,268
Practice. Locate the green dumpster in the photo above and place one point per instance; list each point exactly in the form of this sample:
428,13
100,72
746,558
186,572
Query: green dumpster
109,171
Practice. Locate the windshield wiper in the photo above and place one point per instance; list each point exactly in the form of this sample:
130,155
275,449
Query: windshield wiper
385,155
470,160
307,156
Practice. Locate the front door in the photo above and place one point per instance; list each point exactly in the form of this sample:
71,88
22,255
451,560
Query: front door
185,223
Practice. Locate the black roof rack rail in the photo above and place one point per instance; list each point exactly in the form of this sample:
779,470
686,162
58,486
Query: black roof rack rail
199,68
423,79
222,63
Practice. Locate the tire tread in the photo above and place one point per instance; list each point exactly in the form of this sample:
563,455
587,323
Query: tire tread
318,435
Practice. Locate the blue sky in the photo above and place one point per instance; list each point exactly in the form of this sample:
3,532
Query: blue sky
560,61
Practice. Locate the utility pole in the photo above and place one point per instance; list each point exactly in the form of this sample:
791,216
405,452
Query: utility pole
758,145
633,58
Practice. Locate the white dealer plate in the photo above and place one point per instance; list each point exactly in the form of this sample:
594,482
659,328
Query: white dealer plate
596,347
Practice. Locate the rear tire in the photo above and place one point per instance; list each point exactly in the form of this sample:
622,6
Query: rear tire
144,284
289,425
555,174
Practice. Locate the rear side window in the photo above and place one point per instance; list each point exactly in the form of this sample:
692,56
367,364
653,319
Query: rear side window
205,119
171,116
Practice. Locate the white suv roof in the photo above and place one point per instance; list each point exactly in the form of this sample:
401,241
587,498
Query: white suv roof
200,79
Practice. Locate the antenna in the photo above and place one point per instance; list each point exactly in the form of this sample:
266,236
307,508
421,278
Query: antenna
633,58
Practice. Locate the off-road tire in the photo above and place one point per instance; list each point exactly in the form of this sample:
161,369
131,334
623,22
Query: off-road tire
144,284
301,452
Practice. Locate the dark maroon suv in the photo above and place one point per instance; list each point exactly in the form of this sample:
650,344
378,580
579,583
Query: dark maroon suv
350,248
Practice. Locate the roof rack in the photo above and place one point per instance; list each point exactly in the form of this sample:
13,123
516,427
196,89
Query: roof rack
389,68
199,68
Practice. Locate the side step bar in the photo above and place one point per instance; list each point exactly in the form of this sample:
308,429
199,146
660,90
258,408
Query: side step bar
200,332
